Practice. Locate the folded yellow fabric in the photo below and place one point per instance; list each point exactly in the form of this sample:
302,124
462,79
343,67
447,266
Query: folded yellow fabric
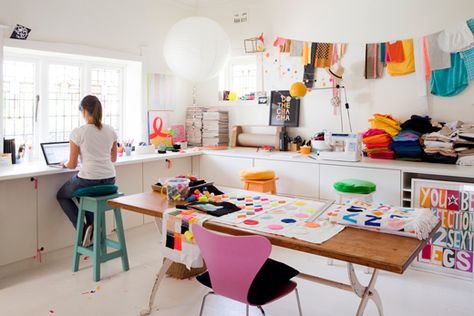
257,174
386,123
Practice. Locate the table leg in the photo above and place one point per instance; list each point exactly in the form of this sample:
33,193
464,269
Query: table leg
365,292
159,277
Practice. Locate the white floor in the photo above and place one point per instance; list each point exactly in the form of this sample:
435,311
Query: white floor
52,289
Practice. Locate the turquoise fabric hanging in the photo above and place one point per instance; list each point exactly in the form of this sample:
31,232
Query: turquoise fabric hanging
451,81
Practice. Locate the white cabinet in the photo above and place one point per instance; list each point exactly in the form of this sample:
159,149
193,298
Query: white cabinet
17,220
387,181
156,171
55,231
129,180
294,178
223,170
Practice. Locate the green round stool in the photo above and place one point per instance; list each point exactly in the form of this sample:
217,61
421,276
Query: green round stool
355,188
94,199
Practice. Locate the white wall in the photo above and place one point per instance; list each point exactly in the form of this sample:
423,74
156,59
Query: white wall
132,27
356,22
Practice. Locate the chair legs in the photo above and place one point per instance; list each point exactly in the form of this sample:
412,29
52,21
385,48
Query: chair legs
204,302
298,301
247,306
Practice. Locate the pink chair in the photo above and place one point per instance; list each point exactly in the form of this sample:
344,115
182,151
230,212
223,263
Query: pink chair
233,264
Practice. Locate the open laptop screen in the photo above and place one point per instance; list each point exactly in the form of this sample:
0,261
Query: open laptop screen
55,153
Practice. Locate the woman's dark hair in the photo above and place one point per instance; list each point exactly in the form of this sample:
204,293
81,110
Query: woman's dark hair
92,105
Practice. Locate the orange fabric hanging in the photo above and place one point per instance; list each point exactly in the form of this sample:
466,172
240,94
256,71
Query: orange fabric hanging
395,51
304,56
426,57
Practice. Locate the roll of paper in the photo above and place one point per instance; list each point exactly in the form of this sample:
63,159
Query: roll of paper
256,140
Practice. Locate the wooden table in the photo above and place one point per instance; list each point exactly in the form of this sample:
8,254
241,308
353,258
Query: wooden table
354,246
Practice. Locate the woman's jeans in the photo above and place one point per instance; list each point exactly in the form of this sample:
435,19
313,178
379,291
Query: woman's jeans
65,197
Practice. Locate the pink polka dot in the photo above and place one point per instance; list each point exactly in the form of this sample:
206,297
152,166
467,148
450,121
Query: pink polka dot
275,227
301,215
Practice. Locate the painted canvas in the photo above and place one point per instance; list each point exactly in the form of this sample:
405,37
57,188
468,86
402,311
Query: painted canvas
450,251
158,131
161,94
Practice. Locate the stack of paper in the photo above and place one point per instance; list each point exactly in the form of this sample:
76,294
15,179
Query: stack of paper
215,128
194,116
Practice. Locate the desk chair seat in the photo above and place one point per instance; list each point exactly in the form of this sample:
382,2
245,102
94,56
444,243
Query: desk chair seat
239,268
94,199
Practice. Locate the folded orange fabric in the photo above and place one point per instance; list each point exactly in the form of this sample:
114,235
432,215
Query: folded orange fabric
377,150
381,138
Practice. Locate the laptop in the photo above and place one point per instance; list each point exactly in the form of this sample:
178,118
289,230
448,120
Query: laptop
55,153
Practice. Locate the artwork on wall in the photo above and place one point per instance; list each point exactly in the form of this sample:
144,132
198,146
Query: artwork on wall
161,93
158,131
20,32
450,251
284,109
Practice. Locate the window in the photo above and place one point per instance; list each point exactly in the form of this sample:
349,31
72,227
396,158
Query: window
64,95
241,77
19,96
106,84
42,92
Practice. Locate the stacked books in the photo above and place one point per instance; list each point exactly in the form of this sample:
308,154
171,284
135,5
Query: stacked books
194,117
215,128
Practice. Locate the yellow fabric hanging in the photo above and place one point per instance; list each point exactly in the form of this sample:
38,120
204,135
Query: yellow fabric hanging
407,66
305,55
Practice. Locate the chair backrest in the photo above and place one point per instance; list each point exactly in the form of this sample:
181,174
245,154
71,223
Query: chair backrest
232,261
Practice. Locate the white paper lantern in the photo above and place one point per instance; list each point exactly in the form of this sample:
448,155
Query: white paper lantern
196,48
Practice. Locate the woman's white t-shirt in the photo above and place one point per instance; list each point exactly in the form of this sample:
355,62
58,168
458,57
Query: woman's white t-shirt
95,146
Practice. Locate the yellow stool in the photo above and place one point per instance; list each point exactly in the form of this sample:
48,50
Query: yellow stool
263,186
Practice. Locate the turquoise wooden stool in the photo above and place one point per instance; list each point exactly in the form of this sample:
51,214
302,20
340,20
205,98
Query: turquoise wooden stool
94,199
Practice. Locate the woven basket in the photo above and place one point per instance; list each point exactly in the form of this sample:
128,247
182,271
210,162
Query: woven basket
179,271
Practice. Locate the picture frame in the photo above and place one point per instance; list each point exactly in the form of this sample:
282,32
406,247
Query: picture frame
450,252
284,109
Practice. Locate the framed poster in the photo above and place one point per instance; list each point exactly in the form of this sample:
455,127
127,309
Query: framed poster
158,131
450,251
284,109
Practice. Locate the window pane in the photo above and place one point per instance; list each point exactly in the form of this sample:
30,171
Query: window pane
63,100
106,84
243,78
19,87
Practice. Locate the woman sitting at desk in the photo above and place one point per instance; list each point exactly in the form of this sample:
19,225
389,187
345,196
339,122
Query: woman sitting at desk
96,144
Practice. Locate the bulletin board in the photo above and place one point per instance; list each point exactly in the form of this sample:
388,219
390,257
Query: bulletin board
450,251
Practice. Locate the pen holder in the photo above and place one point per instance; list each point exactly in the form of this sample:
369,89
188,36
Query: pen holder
128,150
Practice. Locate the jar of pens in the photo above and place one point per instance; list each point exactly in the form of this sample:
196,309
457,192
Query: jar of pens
125,147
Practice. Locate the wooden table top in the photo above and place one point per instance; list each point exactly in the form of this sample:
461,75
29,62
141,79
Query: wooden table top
376,250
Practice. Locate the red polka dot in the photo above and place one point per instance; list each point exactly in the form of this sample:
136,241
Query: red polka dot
250,222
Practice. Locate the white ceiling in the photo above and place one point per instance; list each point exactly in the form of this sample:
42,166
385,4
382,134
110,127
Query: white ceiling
196,4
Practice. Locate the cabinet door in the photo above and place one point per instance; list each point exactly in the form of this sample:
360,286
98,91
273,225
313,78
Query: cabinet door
155,171
223,170
387,181
129,180
17,220
294,178
55,231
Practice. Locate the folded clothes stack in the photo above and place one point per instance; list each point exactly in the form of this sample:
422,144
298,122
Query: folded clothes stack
420,124
385,122
377,144
464,145
406,146
439,146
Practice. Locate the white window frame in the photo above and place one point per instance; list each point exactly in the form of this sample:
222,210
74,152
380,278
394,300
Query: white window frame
42,62
225,79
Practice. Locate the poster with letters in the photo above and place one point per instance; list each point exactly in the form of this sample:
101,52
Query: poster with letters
450,251
284,109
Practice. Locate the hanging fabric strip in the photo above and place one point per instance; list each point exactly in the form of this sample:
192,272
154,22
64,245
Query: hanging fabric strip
426,59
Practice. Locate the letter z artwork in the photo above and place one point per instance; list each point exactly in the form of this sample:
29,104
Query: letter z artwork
451,247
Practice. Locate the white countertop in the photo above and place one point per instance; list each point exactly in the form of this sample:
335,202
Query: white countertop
39,168
405,166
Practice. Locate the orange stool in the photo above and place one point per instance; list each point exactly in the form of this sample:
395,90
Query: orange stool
263,186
